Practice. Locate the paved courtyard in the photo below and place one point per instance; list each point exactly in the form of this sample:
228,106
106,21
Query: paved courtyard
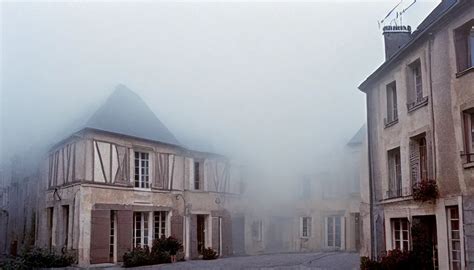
300,261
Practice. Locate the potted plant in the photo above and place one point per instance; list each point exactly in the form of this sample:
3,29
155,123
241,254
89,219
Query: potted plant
425,190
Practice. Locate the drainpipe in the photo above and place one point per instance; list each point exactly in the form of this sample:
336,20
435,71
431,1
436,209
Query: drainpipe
430,42
373,234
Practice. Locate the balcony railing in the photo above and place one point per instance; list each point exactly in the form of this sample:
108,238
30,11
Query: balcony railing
390,122
420,102
398,193
467,158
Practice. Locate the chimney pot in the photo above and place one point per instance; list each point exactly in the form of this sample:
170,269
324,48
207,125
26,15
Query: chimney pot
395,37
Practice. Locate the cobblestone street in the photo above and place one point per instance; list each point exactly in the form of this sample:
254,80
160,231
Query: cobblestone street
329,260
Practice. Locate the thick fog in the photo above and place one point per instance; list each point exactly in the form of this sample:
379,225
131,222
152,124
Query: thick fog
271,85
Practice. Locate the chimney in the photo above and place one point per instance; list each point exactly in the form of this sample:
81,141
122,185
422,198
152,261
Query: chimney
395,37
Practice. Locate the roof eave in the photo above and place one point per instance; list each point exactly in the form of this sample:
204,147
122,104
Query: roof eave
364,86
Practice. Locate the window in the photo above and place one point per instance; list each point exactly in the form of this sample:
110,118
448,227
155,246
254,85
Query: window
112,235
305,192
160,224
415,98
306,227
464,44
394,174
468,119
454,238
141,170
65,223
418,158
140,229
417,83
333,231
257,227
400,236
197,176
392,111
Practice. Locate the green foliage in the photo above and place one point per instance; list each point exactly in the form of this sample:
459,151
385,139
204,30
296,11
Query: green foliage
209,254
38,258
161,252
394,260
425,190
170,245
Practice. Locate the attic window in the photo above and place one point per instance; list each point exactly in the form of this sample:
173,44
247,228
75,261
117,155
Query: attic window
464,44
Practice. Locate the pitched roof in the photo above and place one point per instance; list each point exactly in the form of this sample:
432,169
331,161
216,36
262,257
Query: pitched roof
438,13
358,138
126,113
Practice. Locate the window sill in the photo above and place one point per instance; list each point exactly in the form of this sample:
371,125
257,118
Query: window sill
391,123
464,72
397,199
468,165
141,189
417,104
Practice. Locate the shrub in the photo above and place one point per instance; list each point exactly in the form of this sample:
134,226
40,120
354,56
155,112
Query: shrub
163,250
425,190
137,257
170,245
209,254
394,260
38,258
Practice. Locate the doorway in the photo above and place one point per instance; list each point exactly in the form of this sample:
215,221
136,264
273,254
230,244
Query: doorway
201,233
425,241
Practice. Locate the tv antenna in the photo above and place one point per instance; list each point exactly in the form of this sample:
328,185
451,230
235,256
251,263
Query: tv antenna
398,15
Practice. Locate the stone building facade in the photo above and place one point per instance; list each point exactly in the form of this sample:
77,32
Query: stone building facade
123,180
323,214
420,104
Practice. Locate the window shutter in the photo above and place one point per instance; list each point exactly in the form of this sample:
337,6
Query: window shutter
124,232
391,174
162,171
301,226
193,247
215,233
414,161
100,231
309,223
226,234
430,158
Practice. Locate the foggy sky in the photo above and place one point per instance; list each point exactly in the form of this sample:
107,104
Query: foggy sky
269,84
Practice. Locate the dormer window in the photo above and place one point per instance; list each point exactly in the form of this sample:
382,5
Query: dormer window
142,170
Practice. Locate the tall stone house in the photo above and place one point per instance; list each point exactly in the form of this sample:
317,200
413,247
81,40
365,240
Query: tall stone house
420,118
322,215
123,180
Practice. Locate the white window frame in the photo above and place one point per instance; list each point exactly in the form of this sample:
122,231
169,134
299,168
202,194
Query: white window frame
160,224
392,102
450,219
144,226
258,224
469,133
417,81
399,233
334,232
143,175
395,181
305,228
